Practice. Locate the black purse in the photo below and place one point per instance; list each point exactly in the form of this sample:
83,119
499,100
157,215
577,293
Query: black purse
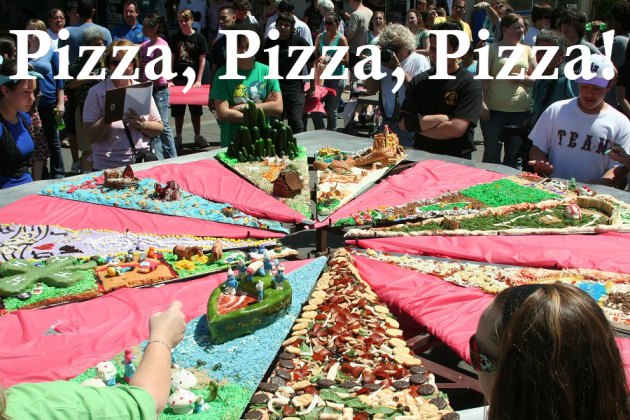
139,156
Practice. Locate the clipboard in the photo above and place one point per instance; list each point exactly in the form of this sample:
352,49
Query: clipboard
119,100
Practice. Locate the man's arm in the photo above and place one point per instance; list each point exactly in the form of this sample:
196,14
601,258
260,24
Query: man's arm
353,25
538,160
613,177
447,130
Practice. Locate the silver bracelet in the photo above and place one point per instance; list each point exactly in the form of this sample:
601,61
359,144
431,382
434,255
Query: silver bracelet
159,341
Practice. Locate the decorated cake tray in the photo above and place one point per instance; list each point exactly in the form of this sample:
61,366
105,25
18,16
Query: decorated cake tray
210,380
267,155
346,359
283,178
342,176
610,290
120,188
503,192
35,283
575,215
45,241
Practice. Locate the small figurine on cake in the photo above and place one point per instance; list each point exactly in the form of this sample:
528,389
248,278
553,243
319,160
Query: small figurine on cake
267,263
279,277
106,371
260,286
130,369
231,284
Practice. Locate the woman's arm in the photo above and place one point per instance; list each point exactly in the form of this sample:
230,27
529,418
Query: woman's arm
346,58
96,131
166,330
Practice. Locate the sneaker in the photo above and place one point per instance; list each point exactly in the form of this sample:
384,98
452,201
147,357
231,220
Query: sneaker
75,169
178,141
201,141
65,144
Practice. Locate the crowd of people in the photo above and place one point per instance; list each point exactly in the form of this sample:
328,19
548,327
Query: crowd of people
526,122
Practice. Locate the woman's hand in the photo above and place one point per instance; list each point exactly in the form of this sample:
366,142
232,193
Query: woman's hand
168,326
170,84
196,84
61,109
134,120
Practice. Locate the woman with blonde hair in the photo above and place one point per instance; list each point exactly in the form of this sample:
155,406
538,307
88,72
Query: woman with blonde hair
124,142
507,101
547,351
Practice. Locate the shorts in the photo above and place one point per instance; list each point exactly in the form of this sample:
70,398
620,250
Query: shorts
179,110
82,142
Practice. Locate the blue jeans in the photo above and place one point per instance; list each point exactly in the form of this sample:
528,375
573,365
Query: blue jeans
492,130
164,145
332,102
49,124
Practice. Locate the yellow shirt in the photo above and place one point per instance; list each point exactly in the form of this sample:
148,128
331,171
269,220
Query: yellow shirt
507,95
442,19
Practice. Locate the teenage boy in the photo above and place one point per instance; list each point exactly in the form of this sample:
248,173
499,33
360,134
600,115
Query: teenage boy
572,138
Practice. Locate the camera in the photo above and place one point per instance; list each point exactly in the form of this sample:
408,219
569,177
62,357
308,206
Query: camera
387,55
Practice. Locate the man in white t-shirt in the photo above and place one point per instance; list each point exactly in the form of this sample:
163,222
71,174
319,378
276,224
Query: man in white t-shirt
398,40
572,138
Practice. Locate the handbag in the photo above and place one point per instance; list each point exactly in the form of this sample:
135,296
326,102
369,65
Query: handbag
139,156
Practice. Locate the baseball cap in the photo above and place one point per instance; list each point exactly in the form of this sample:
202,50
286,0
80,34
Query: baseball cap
604,71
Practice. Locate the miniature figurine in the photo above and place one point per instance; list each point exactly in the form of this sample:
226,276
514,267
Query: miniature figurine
151,253
146,267
129,257
106,371
573,184
200,405
231,284
187,252
279,277
260,286
142,257
217,251
242,269
130,369
267,264
113,262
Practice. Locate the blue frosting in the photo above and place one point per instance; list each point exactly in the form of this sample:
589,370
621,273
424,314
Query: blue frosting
189,205
595,290
245,360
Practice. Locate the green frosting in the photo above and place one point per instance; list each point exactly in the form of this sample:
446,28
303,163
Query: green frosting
20,275
530,219
210,267
505,192
246,320
86,284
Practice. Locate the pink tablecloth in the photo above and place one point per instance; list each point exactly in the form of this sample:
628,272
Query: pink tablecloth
450,313
195,96
426,179
213,181
607,252
63,341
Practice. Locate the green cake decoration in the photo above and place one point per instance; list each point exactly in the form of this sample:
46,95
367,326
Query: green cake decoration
18,276
249,300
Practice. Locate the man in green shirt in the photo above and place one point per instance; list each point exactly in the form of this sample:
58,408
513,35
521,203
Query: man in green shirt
231,95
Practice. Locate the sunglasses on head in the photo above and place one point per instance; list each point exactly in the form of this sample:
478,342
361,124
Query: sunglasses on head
479,361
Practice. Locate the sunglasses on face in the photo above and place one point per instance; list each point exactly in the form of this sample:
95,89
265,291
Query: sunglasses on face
479,361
